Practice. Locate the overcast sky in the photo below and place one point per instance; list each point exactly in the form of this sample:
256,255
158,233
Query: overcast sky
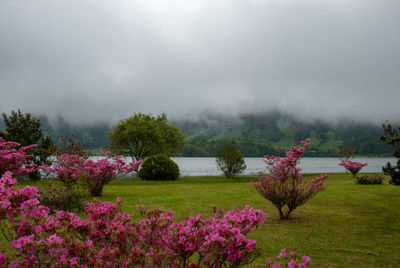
104,60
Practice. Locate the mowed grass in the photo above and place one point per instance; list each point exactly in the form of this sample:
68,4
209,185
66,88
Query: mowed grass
345,225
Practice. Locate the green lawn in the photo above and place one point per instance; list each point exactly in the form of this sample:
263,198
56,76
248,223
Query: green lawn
345,225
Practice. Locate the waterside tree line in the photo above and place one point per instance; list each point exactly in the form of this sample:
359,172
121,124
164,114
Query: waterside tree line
255,135
143,135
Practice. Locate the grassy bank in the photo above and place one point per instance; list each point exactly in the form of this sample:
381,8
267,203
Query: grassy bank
345,225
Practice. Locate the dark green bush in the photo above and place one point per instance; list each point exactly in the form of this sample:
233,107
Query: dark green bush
392,137
159,167
57,196
372,179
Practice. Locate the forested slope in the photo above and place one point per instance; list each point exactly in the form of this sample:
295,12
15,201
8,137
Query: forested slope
255,134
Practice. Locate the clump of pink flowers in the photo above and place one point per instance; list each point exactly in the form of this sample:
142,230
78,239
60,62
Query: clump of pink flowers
352,166
70,168
288,259
13,158
110,238
285,186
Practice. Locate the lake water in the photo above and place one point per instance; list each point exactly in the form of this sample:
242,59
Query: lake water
206,166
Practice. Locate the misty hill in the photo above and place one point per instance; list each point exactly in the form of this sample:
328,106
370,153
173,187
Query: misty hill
274,132
255,134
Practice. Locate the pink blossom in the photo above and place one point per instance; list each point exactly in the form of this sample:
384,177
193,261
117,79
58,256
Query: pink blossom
282,254
292,264
2,258
54,239
21,242
290,260
306,260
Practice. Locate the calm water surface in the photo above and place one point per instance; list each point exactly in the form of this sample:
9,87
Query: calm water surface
206,166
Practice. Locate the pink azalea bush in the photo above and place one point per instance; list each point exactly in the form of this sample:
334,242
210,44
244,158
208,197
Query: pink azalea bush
352,166
68,168
101,172
289,260
71,168
285,186
110,238
13,158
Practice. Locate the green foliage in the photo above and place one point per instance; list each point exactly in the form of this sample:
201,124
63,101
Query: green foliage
371,179
26,130
392,137
229,160
268,133
159,167
60,197
255,134
142,135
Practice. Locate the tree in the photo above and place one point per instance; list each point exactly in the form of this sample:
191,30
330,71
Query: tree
230,160
26,130
392,137
285,186
142,135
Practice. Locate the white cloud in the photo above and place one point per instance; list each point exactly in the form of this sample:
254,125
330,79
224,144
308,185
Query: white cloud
103,60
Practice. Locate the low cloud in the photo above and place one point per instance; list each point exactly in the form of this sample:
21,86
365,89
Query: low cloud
92,61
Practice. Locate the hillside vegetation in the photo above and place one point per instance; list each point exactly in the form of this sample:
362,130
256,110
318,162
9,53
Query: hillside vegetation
271,133
255,134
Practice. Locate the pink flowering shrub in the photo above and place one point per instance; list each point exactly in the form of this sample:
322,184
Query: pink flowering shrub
110,238
352,166
71,168
13,159
285,186
101,172
68,168
289,260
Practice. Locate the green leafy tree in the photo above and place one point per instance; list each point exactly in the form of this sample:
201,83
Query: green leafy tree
26,130
142,135
230,160
392,137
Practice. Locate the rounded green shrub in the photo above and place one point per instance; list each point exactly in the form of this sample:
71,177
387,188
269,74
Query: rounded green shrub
159,167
